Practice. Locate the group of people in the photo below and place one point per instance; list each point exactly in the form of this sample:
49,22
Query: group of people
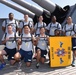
20,39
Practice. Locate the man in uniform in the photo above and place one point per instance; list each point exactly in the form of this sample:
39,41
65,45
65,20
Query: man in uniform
10,47
53,26
70,30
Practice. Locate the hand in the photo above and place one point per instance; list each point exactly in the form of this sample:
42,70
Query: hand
35,42
74,35
38,38
19,41
7,39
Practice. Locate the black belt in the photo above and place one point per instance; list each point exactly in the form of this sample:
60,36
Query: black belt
26,40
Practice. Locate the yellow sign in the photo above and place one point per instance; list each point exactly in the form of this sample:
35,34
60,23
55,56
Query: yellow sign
60,51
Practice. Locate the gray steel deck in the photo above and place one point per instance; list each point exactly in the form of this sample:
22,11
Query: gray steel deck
43,69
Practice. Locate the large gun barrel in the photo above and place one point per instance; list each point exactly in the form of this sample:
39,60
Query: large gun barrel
47,4
34,9
16,7
26,11
54,9
38,11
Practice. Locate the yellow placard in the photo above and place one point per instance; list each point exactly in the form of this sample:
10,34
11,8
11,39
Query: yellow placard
60,51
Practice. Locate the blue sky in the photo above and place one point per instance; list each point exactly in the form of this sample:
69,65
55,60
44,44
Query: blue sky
4,10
